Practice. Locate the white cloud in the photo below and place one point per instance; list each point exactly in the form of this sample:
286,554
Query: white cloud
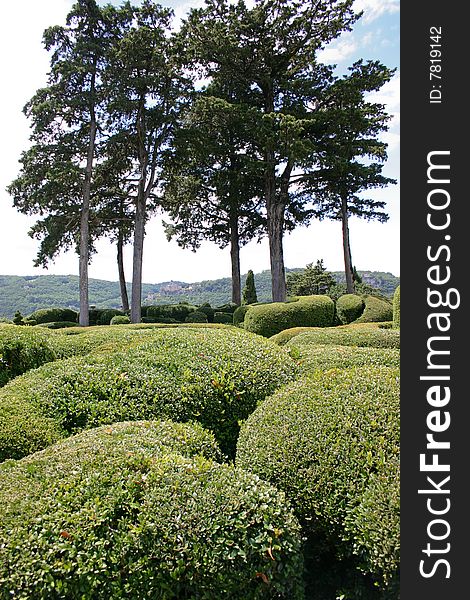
339,49
389,95
373,9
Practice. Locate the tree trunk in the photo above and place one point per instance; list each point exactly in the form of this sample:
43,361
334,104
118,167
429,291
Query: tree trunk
235,257
85,228
122,276
348,270
139,232
274,212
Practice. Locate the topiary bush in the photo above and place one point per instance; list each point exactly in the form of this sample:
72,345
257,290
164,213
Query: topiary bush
376,310
105,316
208,311
213,376
52,315
349,308
196,317
309,311
120,320
312,356
57,325
360,335
396,308
239,315
121,513
176,312
222,317
22,349
323,441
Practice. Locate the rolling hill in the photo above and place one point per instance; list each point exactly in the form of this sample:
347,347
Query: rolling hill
28,293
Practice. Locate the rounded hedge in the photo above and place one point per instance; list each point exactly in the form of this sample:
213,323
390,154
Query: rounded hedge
196,317
223,317
21,349
306,311
51,315
57,325
312,356
396,308
376,310
349,308
105,315
239,315
161,312
120,320
213,376
322,440
347,335
374,525
136,519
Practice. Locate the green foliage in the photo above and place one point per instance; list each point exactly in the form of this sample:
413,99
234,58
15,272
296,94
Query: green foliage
312,280
178,312
223,317
374,525
133,510
396,309
249,291
349,308
210,375
21,350
196,317
229,307
376,310
58,325
18,319
310,311
52,315
239,315
311,357
105,316
120,320
362,335
208,311
324,441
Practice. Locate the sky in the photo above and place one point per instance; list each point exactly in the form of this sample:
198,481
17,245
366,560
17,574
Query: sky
24,66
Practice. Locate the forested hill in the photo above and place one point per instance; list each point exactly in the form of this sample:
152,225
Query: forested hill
28,293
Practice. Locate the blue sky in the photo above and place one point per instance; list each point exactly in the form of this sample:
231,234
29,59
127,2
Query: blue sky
24,66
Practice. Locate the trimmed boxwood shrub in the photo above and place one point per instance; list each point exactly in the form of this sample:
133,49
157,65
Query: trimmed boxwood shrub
57,325
107,314
396,308
312,356
239,315
196,317
125,515
120,320
223,317
213,376
376,310
361,335
349,308
374,525
208,311
309,311
322,440
51,315
21,349
230,307
178,312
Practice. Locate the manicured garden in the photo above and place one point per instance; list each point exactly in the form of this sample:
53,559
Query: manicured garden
202,460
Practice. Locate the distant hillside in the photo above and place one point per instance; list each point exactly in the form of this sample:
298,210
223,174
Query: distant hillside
29,293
